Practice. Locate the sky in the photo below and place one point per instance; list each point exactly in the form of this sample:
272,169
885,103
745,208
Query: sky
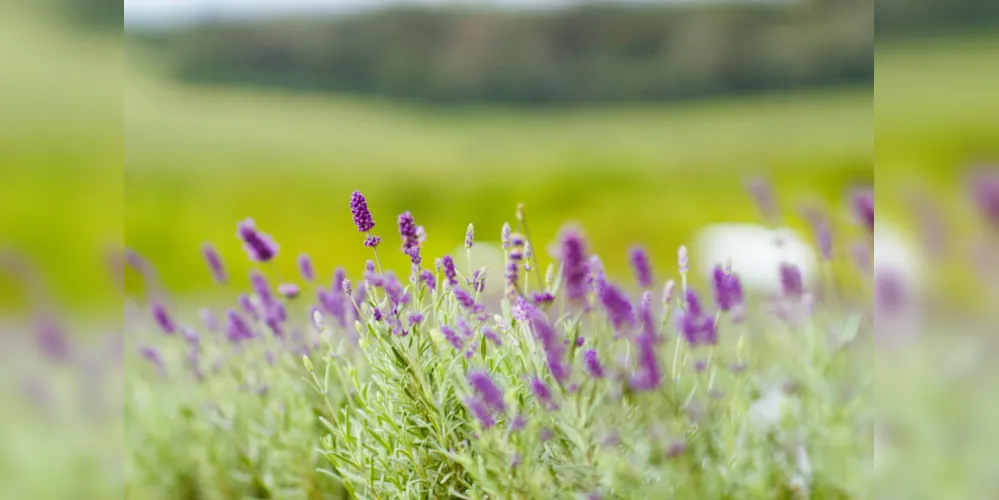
165,13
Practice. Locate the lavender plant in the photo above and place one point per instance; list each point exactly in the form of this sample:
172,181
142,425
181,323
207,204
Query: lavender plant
562,387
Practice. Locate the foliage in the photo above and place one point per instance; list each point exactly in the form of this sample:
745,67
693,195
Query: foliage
440,388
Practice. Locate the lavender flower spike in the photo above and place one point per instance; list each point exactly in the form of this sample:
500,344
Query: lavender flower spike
359,210
668,290
551,344
214,263
372,241
648,373
480,412
640,263
790,280
618,307
763,195
863,207
469,236
574,268
150,354
163,318
543,393
449,270
487,390
728,289
683,260
592,363
305,267
259,246
505,236
984,186
408,233
288,290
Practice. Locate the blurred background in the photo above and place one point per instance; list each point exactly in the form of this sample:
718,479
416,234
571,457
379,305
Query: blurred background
641,120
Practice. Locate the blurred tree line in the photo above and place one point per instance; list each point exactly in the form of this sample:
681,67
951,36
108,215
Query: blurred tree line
590,52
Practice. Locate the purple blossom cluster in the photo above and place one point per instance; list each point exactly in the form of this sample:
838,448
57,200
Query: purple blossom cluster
553,323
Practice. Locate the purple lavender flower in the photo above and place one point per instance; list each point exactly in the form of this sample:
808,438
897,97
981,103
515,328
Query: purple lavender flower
465,299
592,363
261,286
648,374
377,314
214,263
791,282
823,233
289,290
542,298
517,240
346,286
551,344
618,307
683,260
511,275
152,355
190,335
480,412
449,271
889,292
237,330
396,292
543,394
333,302
372,241
209,319
473,347
369,266
522,310
259,246
696,327
580,340
640,263
247,305
305,267
478,282
518,423
51,339
505,236
984,186
469,236
163,319
359,210
463,328
429,279
863,207
595,276
574,268
528,256
728,289
415,319
763,195
408,233
414,257
487,390
491,335
668,290
676,448
452,337
645,314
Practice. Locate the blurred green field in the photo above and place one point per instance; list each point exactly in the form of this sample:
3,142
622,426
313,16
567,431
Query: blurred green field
198,159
